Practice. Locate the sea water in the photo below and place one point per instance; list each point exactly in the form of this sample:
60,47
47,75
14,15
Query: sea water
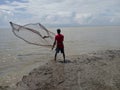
18,58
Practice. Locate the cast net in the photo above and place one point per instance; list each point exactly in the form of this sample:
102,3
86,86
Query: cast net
35,34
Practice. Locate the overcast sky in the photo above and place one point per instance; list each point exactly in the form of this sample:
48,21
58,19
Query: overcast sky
60,12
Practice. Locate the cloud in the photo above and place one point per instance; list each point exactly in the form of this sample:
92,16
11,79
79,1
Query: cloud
83,18
63,12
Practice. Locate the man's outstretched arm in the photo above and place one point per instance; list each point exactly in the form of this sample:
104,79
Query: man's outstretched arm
54,44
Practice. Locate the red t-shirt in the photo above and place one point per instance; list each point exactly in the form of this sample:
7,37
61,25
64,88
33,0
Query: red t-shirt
59,38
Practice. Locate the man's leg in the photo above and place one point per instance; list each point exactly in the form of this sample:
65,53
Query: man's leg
62,51
64,56
55,56
57,51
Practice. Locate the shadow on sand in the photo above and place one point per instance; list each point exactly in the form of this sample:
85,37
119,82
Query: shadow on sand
66,61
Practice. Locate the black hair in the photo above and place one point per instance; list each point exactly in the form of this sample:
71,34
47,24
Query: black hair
58,31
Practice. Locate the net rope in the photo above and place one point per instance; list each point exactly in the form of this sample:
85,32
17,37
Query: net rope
33,33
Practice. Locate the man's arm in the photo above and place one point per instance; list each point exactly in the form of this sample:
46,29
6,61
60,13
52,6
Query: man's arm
54,44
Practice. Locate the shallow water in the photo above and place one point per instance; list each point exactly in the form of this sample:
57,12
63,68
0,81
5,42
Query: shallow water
17,58
86,39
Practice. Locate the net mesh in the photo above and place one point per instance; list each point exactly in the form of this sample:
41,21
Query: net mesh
35,34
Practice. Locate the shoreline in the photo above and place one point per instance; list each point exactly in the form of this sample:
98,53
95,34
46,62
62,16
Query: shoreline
98,70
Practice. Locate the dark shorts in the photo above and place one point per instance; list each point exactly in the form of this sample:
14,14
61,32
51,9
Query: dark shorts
59,49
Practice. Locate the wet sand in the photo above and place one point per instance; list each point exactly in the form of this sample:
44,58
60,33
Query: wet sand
92,71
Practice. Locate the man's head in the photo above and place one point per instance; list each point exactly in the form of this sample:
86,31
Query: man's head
58,31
